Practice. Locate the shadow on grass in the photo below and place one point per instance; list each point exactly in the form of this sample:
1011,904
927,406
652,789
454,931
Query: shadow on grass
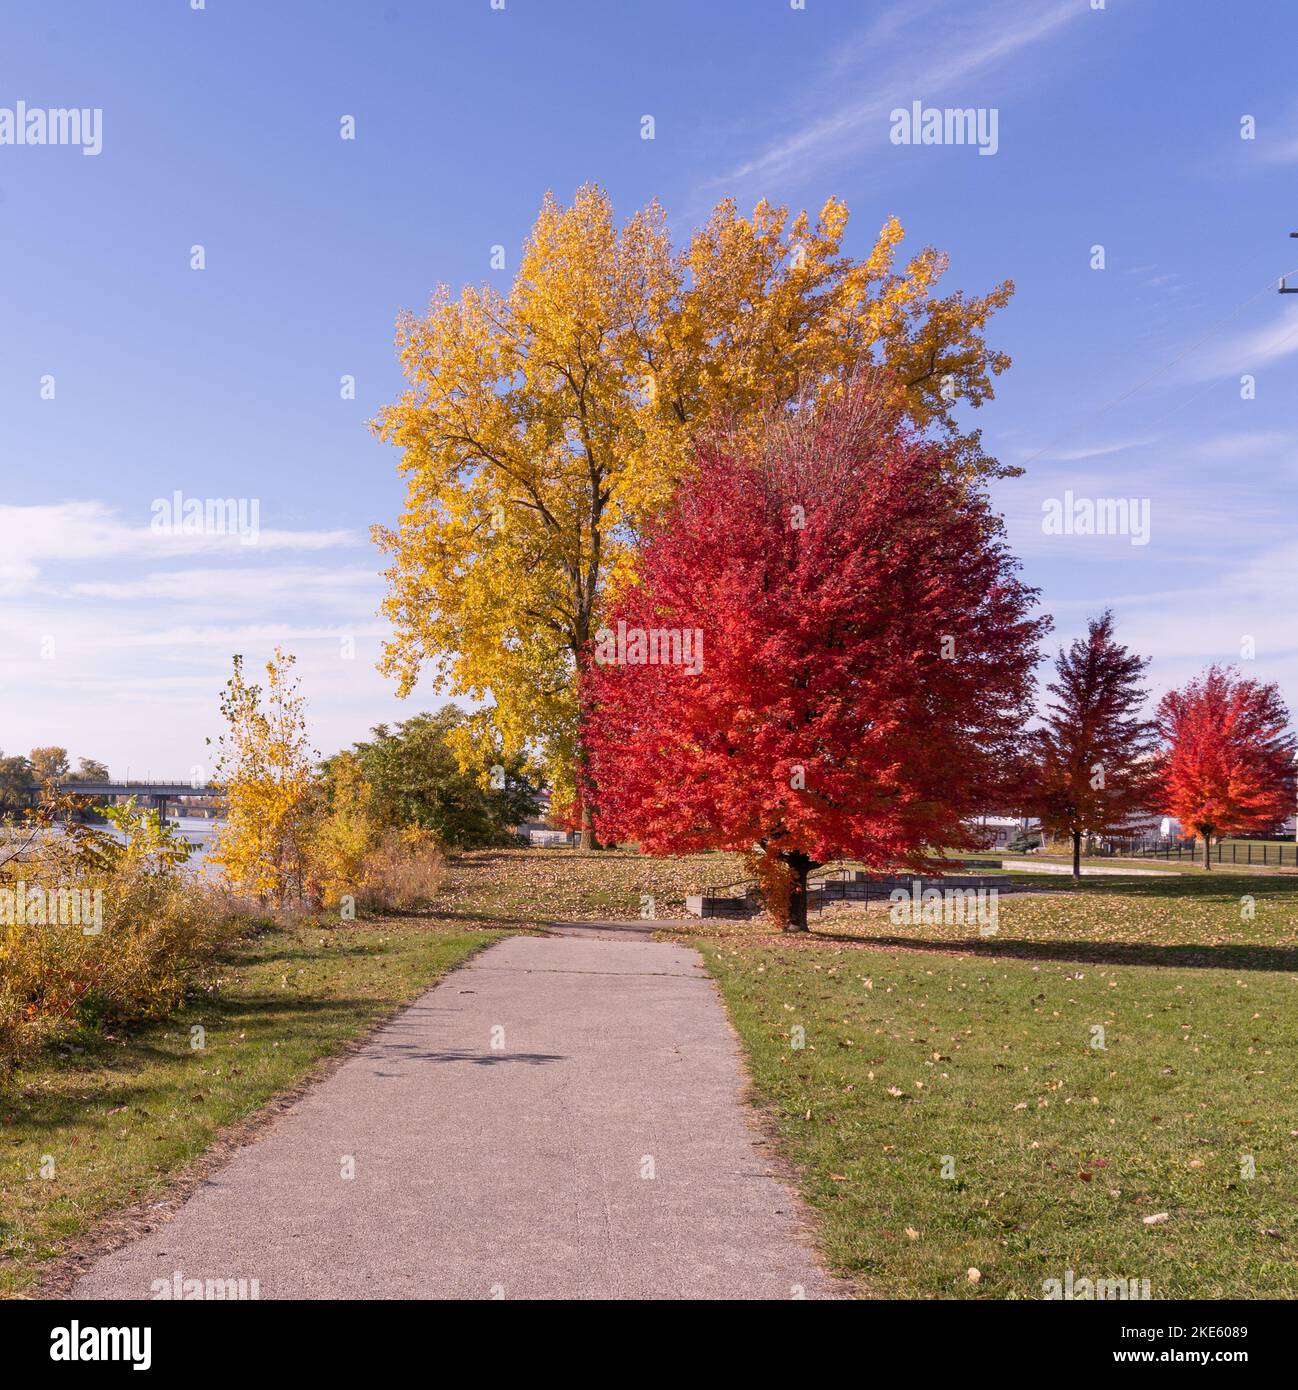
289,954
98,1058
1228,957
1219,886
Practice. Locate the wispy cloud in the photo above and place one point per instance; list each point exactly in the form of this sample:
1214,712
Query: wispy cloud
1246,351
117,640
89,532
911,52
1092,451
1247,444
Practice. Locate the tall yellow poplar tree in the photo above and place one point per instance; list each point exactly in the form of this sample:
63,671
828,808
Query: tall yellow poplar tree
264,770
542,428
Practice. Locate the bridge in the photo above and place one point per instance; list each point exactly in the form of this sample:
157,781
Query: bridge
156,794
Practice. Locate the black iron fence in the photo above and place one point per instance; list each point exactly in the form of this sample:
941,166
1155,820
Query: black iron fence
1276,854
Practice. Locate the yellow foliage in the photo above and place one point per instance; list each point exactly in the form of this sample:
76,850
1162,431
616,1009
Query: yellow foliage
343,835
541,429
265,772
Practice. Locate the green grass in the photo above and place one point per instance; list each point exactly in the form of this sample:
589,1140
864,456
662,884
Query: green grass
118,1115
1241,921
1060,1149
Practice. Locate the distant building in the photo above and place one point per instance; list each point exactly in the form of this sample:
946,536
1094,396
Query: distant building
541,831
1001,831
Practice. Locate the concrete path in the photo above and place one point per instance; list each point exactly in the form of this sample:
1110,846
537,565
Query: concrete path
1045,866
560,1119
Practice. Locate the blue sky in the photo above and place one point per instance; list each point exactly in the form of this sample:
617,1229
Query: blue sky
1117,127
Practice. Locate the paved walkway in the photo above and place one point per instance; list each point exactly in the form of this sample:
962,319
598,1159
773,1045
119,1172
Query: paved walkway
1045,866
600,1150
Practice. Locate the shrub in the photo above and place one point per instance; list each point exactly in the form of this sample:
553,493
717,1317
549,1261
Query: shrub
93,930
402,873
344,835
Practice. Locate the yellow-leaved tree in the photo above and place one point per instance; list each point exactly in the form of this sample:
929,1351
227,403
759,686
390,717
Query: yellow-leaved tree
543,427
264,770
345,834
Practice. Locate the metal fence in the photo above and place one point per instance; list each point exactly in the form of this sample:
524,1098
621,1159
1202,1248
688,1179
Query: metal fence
1276,854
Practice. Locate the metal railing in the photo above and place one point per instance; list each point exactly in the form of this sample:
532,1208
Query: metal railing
1275,854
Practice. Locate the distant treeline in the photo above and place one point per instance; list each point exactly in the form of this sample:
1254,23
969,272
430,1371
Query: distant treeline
18,774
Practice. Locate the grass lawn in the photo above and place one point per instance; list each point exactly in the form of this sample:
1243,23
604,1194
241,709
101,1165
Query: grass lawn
1243,921
528,887
923,1044
118,1115
981,1052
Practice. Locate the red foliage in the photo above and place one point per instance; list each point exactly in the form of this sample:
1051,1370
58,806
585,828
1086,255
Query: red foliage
1091,766
1228,763
866,653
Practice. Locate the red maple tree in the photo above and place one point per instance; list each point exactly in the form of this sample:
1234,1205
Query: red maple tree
1227,767
1091,760
855,654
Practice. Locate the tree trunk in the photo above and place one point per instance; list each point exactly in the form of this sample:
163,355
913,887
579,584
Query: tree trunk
1077,856
587,827
1207,850
800,864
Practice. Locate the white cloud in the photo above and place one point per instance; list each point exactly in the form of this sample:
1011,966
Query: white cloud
240,585
88,532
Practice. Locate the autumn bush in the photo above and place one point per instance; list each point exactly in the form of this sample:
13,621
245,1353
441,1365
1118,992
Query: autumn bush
357,859
107,932
402,873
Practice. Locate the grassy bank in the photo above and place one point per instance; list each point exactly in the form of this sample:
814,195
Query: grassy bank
111,1117
946,1050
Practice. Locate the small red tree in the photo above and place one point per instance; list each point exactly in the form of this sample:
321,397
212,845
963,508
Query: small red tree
1091,760
827,654
1227,767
